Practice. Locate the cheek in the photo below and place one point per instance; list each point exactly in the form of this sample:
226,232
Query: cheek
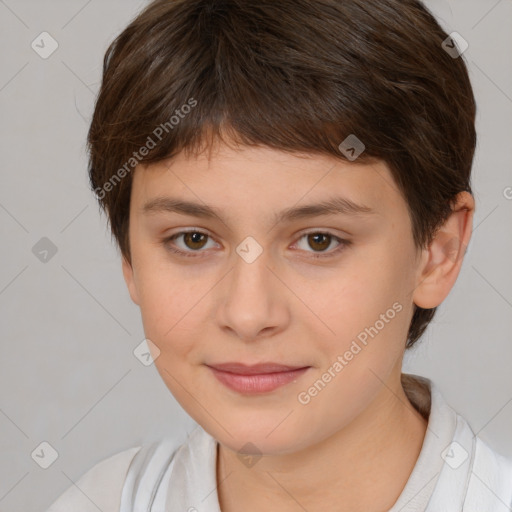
366,303
159,286
170,316
160,300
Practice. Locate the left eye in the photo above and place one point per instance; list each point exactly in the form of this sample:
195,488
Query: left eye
193,241
320,242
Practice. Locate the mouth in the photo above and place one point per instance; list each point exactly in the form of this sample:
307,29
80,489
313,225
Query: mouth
259,378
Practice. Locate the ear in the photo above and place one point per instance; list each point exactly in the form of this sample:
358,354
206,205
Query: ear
441,262
130,280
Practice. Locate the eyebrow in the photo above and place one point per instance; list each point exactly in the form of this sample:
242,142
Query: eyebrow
331,206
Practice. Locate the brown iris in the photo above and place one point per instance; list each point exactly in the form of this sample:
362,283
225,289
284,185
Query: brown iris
195,240
320,241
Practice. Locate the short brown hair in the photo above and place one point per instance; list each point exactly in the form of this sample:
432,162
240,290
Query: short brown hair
295,75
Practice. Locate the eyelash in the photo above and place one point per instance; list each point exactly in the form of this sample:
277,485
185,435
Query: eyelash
194,254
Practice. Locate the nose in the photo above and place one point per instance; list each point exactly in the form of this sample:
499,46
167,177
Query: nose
255,300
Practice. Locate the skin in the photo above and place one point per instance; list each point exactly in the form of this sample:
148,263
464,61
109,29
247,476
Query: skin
353,445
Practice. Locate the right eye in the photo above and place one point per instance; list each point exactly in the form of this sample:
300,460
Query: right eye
192,242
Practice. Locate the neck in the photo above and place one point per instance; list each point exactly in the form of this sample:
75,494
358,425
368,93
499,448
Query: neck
363,467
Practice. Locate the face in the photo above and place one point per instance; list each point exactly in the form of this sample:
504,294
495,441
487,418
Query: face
256,268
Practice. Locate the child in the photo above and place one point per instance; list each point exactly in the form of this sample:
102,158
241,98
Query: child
289,185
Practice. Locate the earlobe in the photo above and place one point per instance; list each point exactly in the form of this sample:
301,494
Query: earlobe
442,261
130,281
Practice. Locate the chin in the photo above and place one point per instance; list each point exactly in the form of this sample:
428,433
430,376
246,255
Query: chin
258,440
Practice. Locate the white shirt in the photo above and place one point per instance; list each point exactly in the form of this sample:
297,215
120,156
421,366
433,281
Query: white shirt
455,471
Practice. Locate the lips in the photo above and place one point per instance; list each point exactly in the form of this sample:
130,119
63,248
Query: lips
255,369
258,378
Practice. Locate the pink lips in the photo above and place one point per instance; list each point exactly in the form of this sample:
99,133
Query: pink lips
258,378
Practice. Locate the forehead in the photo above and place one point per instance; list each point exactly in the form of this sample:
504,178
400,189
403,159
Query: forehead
264,181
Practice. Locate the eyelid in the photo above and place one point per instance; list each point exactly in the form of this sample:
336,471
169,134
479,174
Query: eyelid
325,231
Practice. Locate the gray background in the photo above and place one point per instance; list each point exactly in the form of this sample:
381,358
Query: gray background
67,372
